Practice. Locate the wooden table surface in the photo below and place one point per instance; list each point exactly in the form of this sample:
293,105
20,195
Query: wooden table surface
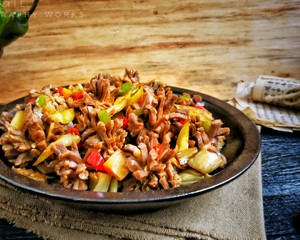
201,45
207,46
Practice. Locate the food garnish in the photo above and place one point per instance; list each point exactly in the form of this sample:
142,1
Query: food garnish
13,24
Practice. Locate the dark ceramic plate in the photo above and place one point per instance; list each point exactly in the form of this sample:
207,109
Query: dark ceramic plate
242,131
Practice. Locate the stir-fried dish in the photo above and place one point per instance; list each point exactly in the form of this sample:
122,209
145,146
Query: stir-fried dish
113,134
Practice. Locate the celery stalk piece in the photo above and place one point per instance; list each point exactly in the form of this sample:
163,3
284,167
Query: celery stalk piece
18,120
186,154
93,177
66,116
103,182
116,165
119,104
136,96
206,162
231,148
114,185
190,176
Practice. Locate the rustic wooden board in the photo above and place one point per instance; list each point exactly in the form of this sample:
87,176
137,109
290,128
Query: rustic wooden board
202,45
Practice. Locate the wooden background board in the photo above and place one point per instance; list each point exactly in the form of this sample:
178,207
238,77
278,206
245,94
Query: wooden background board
201,45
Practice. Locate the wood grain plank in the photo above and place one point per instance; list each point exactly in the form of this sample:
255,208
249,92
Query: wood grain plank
202,45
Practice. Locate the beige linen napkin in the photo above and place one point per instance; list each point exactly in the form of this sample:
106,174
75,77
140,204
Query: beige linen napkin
234,211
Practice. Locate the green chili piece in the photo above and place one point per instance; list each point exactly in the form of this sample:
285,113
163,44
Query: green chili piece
125,88
13,24
186,97
104,116
41,101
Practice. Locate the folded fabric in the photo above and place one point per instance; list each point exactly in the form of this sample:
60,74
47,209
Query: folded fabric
234,211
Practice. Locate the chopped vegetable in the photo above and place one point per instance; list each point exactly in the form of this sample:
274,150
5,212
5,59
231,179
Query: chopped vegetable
51,132
66,116
186,154
104,116
60,91
66,93
177,164
41,101
47,104
13,24
221,142
30,173
66,140
19,120
116,165
95,160
74,131
124,122
206,162
189,176
114,185
182,121
205,116
31,100
183,137
230,150
199,106
103,182
125,88
46,168
119,104
93,180
136,96
77,95
185,97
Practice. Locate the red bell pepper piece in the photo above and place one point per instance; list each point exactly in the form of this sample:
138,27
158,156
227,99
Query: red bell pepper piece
95,160
73,131
124,122
77,95
199,106
31,100
182,121
60,91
